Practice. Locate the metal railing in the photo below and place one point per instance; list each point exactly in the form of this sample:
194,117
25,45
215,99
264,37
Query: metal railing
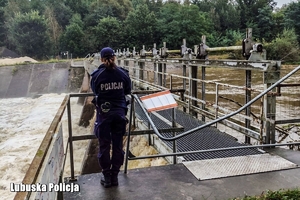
136,98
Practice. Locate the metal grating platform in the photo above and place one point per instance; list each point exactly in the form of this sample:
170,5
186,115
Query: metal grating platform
235,166
207,138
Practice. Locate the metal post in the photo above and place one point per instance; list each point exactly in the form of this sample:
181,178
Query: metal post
126,63
155,72
248,98
141,70
171,82
159,70
149,135
128,136
174,134
217,102
165,76
193,87
70,140
270,105
203,90
184,83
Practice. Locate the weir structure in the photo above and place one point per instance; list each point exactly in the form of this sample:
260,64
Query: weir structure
206,159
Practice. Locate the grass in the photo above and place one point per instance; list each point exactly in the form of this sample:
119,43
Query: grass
293,194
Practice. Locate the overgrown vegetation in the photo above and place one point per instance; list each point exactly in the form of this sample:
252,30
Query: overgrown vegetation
293,194
14,70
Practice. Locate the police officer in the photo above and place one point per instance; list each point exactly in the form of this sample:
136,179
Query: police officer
110,84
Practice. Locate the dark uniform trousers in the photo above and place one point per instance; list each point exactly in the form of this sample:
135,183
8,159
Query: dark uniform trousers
110,129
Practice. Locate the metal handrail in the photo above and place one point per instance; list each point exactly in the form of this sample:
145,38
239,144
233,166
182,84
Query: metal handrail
214,150
216,120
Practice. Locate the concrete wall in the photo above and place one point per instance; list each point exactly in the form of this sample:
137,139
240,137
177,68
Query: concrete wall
35,79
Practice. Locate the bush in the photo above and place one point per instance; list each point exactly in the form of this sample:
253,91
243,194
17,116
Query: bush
285,47
275,195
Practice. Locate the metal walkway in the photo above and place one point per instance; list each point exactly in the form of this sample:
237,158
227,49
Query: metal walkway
207,138
212,164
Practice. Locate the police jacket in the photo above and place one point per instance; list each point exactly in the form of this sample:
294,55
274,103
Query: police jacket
110,85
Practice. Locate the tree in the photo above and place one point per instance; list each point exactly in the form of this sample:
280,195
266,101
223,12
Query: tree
140,27
292,17
96,13
222,12
249,10
265,24
108,32
62,12
79,7
72,39
154,5
37,5
176,22
278,19
28,32
114,8
284,47
3,31
55,30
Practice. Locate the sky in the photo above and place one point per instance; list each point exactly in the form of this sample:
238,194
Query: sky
281,2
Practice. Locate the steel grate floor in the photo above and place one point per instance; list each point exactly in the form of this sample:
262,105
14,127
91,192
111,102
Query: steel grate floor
235,166
207,138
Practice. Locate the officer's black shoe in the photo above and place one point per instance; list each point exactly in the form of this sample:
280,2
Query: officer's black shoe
106,180
114,180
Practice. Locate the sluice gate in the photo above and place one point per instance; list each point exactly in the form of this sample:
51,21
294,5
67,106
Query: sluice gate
201,137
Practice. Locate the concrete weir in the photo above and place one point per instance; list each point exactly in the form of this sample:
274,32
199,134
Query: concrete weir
35,79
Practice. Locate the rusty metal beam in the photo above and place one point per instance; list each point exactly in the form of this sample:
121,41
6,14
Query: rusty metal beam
231,48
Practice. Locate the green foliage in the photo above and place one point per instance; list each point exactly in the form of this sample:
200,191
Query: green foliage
108,32
265,24
72,39
284,47
79,7
2,23
278,19
154,5
62,13
28,32
87,25
140,27
232,38
118,9
292,194
176,22
14,71
54,30
223,13
292,17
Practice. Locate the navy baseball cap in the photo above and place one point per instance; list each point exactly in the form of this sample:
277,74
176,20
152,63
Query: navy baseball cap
107,52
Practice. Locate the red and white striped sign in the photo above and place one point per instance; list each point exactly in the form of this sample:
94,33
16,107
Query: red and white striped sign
159,101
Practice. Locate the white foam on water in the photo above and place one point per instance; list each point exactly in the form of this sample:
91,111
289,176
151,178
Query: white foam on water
23,125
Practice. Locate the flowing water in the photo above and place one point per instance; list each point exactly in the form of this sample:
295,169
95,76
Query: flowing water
23,125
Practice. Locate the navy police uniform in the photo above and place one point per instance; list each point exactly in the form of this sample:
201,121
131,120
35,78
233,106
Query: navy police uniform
110,87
